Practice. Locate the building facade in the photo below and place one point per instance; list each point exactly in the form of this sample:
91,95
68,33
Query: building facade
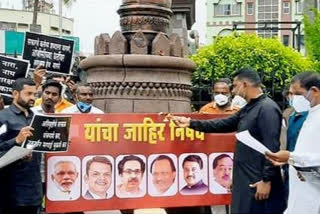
21,20
14,23
222,13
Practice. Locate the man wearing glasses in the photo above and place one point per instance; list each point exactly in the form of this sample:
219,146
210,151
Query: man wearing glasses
131,170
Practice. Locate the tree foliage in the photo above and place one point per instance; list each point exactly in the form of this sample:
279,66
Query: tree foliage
312,36
276,63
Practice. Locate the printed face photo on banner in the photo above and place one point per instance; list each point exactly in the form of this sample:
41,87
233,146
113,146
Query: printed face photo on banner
162,175
193,177
130,176
220,172
63,178
97,177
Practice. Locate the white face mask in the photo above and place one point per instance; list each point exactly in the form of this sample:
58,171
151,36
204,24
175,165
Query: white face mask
221,99
300,103
239,101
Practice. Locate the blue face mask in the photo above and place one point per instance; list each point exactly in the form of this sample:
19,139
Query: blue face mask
84,107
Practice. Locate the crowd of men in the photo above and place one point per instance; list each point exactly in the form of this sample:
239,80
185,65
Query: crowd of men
258,185
22,183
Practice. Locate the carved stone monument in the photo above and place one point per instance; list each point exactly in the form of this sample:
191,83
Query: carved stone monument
141,68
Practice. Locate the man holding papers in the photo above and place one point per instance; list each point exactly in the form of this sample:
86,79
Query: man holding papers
20,182
257,185
305,159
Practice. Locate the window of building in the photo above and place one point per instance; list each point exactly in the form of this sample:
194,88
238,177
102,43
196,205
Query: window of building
10,26
250,8
227,9
299,7
268,11
286,7
54,28
285,40
301,41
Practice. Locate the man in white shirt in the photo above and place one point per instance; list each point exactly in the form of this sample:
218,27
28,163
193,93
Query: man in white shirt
98,178
51,95
222,174
84,97
64,177
304,194
163,172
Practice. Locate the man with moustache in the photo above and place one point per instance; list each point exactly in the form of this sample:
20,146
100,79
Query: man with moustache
131,170
51,95
192,172
222,174
163,173
64,177
20,182
98,178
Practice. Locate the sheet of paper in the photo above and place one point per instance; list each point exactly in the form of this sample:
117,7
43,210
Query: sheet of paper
246,138
15,153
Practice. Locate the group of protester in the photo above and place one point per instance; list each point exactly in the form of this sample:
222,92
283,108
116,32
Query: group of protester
22,183
258,184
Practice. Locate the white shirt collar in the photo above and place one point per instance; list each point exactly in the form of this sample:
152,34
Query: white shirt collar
315,108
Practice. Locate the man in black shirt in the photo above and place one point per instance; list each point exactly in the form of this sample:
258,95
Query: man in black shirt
20,182
257,185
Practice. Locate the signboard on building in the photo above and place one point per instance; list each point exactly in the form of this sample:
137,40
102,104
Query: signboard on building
130,161
54,54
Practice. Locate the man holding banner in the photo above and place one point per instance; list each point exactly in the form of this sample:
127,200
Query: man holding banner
20,182
257,185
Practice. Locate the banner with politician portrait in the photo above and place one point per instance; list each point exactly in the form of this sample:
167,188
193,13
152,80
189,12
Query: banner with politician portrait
130,161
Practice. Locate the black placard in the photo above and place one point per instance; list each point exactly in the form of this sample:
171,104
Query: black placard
51,133
54,54
10,70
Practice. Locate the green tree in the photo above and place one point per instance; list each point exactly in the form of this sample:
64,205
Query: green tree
312,38
276,63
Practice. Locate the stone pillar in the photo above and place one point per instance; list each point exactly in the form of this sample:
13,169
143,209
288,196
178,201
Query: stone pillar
179,26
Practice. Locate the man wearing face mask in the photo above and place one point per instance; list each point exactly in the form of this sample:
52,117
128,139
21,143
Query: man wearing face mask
257,186
222,99
296,119
304,193
84,97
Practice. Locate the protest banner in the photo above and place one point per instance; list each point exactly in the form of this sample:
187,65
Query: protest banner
10,70
51,133
53,53
130,161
